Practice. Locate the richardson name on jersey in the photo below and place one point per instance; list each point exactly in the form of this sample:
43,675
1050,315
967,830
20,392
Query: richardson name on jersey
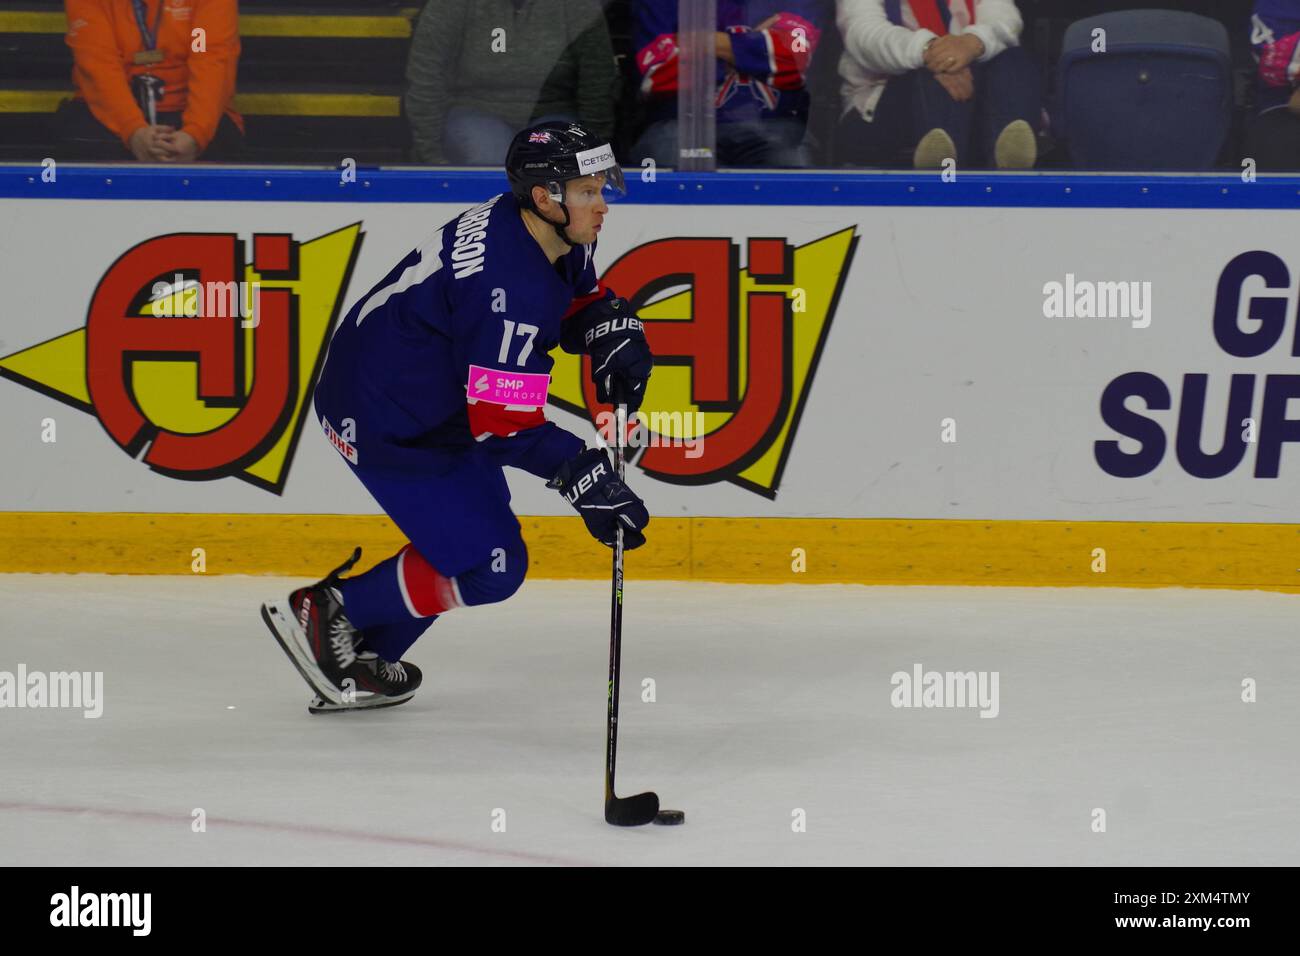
467,248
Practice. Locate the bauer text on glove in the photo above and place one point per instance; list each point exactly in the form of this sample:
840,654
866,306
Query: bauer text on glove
614,337
605,503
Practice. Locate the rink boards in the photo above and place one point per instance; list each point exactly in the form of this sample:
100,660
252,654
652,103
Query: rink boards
881,379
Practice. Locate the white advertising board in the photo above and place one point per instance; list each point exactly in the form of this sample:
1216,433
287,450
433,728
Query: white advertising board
846,361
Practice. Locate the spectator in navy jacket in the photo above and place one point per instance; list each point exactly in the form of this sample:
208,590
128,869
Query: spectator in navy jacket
763,49
939,79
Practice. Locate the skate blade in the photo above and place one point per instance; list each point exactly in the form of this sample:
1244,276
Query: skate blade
376,702
293,640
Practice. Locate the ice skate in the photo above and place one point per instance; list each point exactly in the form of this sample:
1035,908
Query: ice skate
314,631
371,683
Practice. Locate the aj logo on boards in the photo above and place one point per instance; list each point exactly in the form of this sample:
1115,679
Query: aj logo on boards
224,395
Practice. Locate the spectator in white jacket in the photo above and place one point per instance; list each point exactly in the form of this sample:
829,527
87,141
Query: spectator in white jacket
933,80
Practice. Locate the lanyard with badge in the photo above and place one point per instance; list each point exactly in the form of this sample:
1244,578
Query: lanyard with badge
148,88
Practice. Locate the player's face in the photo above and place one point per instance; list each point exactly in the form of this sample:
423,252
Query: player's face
587,207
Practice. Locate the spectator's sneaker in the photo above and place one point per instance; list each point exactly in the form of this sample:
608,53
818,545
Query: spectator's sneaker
1017,147
934,147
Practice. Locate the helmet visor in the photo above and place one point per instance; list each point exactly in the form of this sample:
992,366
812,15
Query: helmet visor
597,166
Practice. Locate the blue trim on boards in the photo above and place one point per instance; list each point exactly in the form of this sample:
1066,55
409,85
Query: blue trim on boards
754,188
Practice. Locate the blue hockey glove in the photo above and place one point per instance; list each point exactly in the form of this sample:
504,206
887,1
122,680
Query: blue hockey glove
589,483
614,337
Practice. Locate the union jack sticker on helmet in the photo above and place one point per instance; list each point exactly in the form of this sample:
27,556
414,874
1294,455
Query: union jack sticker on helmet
542,137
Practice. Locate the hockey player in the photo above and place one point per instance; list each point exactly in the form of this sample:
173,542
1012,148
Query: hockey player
441,372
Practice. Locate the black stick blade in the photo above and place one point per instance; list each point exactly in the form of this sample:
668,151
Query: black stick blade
635,811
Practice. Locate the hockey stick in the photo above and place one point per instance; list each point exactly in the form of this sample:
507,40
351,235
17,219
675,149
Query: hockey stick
642,808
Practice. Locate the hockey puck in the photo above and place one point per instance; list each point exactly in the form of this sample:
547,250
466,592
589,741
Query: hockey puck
670,818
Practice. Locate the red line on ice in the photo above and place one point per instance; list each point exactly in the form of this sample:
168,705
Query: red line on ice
307,829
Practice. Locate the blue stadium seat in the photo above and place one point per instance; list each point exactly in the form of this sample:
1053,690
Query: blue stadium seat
1159,98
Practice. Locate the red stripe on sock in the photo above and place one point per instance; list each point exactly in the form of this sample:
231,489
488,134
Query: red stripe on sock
428,591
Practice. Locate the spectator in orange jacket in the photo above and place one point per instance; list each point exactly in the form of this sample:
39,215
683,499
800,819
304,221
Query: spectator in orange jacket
154,78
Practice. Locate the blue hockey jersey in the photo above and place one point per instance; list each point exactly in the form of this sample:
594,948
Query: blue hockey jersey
479,293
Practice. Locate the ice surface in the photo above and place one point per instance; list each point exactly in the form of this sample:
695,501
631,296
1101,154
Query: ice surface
769,698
